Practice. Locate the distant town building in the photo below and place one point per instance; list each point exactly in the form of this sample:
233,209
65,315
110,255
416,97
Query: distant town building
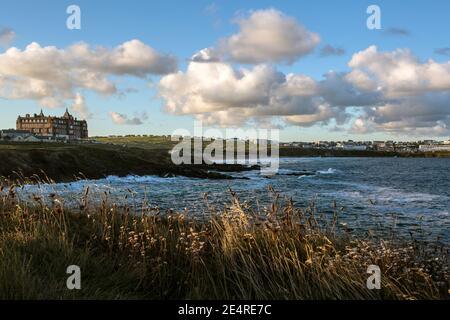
49,127
351,146
384,145
430,142
406,147
434,147
17,136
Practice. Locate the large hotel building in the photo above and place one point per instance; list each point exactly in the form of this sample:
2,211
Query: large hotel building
65,127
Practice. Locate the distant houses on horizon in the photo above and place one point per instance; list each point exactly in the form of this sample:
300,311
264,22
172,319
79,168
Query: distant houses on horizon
385,146
42,128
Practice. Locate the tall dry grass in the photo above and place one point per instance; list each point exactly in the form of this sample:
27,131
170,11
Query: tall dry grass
283,252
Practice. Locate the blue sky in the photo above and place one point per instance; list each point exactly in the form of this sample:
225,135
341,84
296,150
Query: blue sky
181,28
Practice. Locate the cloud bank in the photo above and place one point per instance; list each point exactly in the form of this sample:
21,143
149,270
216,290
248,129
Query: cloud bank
394,92
237,81
51,76
391,92
219,94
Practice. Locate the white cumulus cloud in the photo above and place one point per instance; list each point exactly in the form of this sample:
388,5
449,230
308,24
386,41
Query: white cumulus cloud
268,36
398,73
219,94
79,106
391,91
51,75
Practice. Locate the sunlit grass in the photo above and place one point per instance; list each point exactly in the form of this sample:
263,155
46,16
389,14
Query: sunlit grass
280,252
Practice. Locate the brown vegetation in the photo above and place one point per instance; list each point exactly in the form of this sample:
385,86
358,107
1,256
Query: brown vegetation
281,252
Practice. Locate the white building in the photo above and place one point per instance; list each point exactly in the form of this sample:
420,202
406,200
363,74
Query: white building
434,147
14,135
350,146
18,136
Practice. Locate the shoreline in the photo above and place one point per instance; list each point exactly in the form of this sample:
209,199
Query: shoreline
71,162
289,152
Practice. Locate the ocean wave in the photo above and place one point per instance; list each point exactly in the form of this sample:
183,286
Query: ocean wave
393,195
384,194
329,171
287,172
114,184
305,176
141,179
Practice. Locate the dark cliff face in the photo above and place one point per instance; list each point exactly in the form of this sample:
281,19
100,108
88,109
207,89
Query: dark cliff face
66,162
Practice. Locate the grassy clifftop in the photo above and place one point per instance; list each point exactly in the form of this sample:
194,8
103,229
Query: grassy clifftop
66,162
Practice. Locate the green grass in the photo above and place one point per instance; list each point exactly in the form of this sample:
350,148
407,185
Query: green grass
69,162
145,142
282,252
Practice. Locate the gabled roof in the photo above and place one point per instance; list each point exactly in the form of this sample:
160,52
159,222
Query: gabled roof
67,114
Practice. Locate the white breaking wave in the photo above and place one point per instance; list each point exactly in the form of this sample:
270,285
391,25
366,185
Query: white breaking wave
329,171
383,194
141,179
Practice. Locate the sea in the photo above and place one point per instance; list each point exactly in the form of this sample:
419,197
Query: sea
396,197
